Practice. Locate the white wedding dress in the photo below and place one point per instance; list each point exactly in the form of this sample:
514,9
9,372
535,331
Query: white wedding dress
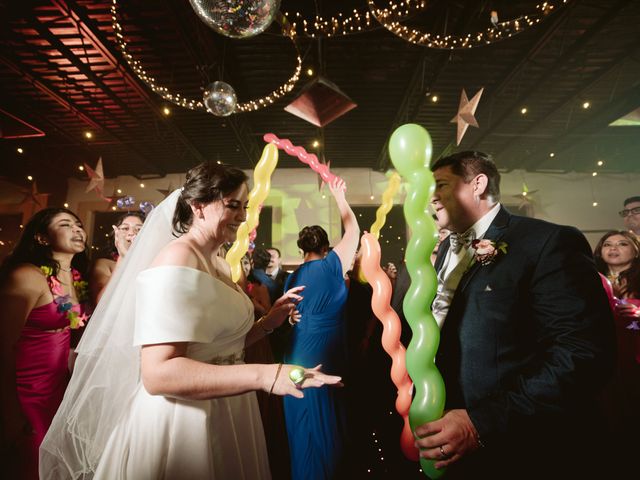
170,438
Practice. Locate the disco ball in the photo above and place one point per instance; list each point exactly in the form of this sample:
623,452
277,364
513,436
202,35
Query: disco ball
220,99
237,18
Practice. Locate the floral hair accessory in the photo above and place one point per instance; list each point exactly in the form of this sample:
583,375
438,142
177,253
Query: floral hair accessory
63,301
487,250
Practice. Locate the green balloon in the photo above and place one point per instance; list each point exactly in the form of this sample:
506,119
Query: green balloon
410,149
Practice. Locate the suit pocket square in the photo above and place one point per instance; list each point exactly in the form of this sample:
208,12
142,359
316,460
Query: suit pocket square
488,288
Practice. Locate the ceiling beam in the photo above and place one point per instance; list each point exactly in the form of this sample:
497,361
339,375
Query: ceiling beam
204,53
553,69
416,89
513,142
625,102
44,86
80,19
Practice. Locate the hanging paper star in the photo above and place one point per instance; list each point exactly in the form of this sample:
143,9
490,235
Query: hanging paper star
466,110
322,160
33,197
167,192
113,199
96,178
525,197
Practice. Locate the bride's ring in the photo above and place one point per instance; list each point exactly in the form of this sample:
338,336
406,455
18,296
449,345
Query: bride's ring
296,375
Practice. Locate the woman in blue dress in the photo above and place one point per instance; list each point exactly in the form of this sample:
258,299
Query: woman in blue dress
316,423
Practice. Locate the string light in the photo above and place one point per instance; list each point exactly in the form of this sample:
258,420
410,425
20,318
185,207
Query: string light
66,205
349,24
88,135
81,168
498,31
191,104
434,98
30,178
20,150
600,163
552,154
586,105
524,110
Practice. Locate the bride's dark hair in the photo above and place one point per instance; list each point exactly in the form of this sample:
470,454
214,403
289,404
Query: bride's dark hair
205,183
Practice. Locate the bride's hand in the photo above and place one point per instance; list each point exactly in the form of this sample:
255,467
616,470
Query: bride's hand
283,307
313,378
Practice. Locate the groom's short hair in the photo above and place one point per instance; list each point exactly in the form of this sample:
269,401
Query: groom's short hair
470,163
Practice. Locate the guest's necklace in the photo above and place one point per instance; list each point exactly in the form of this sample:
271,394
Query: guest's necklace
613,277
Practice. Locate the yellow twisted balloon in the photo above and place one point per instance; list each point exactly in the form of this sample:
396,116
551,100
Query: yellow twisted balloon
257,196
381,213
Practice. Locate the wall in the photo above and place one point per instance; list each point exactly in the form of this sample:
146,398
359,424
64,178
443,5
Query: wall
296,201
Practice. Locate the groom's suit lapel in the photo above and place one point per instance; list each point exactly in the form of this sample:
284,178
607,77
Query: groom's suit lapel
496,231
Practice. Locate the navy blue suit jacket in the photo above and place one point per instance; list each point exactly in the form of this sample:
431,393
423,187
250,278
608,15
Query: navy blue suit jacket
526,345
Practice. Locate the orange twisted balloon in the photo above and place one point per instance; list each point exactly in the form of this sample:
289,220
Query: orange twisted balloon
381,305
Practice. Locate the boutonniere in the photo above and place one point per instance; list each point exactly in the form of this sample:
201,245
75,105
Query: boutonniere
487,250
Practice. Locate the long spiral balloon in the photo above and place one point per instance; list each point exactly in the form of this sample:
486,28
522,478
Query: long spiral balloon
410,151
304,156
257,196
391,329
381,213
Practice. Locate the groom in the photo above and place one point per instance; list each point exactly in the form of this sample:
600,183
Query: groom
527,337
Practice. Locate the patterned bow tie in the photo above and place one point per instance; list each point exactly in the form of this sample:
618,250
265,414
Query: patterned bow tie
458,241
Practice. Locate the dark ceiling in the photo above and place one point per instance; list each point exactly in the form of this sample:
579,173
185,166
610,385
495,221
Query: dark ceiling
61,74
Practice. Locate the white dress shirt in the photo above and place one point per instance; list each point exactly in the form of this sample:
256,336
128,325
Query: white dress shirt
454,267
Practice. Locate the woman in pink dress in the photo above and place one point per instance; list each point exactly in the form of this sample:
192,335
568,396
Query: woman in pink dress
42,296
617,256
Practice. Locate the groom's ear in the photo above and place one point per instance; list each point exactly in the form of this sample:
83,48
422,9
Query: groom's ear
480,184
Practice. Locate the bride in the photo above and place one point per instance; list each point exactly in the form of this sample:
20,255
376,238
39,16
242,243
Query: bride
159,388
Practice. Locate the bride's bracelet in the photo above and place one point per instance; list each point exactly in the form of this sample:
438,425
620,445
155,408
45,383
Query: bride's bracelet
275,379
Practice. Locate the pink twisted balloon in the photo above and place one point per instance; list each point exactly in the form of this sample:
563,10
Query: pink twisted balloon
381,305
304,156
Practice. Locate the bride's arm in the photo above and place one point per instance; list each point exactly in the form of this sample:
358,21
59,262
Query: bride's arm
166,371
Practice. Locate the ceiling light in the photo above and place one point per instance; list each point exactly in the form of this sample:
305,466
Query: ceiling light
586,105
600,163
434,98
20,150
310,71
29,177
166,110
552,154
523,110
88,135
